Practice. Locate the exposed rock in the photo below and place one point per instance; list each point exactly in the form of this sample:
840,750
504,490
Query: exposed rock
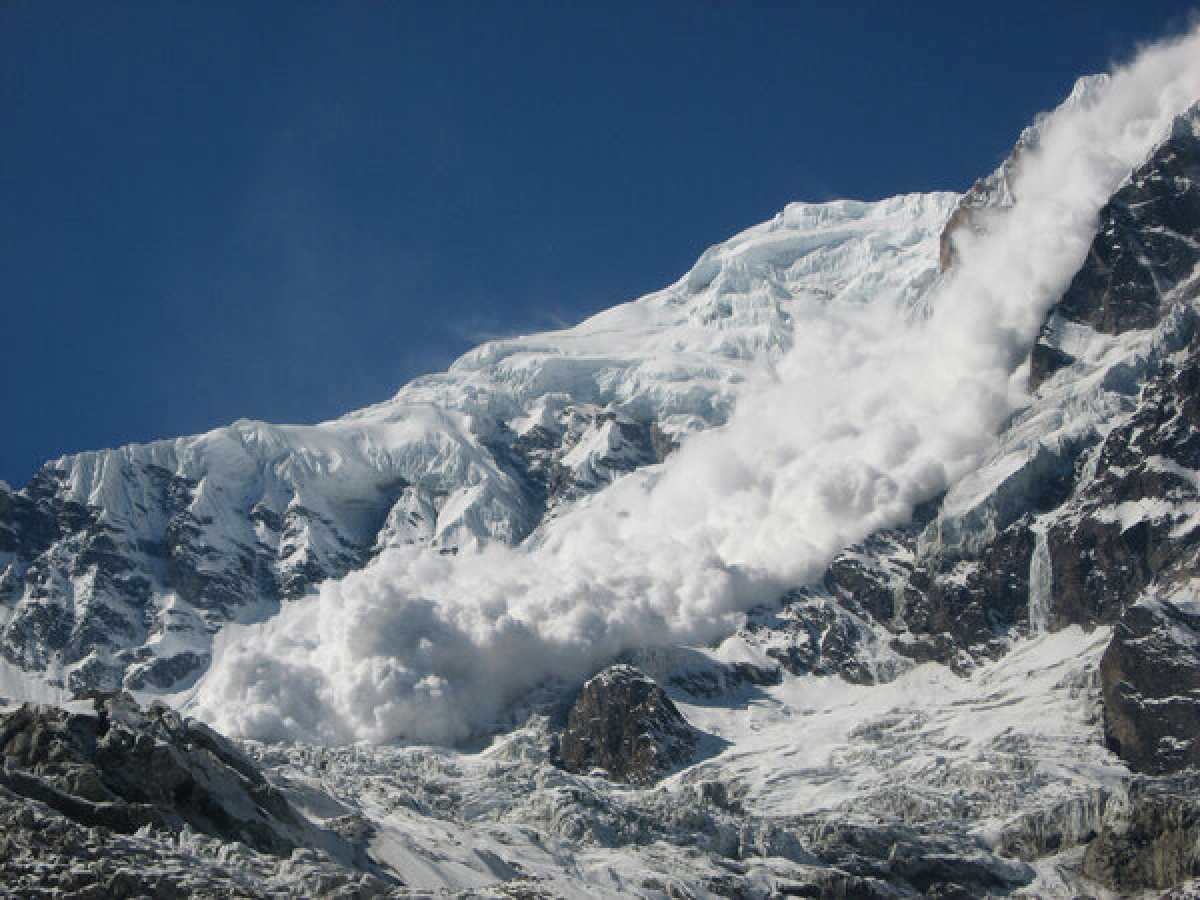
933,863
994,192
1110,505
1153,841
1145,246
809,636
1151,680
124,768
626,725
957,611
573,450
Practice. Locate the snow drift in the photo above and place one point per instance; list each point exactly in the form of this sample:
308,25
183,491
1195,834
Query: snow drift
880,403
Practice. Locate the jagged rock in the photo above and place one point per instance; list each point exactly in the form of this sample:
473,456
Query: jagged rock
124,768
867,576
1102,560
958,610
626,725
717,681
1143,248
1153,841
810,636
574,450
933,863
1111,503
1150,675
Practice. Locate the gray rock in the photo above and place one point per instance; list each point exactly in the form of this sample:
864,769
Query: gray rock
626,725
1154,842
123,768
1150,675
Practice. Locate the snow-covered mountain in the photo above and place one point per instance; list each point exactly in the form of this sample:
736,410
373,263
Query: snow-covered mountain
121,564
859,562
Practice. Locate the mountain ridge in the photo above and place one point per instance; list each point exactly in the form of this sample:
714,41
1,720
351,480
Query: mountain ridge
980,683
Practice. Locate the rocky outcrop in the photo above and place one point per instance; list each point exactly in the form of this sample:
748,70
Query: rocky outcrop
44,854
124,768
1151,681
1144,248
1153,841
624,724
1092,524
1145,245
575,450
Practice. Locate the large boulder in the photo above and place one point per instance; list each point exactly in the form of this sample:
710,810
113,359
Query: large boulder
626,725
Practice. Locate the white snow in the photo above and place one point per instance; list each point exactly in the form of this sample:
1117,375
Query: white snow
823,744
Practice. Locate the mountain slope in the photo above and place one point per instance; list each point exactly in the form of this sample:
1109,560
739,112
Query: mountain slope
119,565
894,548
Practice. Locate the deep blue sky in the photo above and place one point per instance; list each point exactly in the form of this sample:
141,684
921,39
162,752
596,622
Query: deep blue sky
286,210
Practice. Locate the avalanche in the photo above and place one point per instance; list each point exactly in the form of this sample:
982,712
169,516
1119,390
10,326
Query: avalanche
865,410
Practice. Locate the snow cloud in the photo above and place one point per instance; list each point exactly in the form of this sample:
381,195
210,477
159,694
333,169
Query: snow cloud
870,413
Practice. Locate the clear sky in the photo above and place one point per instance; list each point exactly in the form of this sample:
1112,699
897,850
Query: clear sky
284,211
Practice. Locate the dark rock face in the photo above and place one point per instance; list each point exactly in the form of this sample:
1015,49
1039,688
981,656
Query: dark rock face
1106,514
1150,675
812,634
943,609
1144,248
987,194
958,610
124,768
1155,843
994,192
625,724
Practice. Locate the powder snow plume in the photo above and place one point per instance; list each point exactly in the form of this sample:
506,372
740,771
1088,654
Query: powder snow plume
872,411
